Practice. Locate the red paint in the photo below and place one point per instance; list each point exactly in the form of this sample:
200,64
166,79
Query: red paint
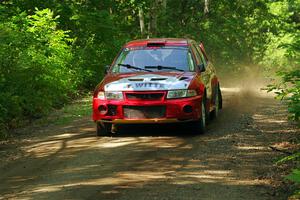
174,107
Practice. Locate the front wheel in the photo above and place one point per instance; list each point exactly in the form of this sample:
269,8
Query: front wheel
200,125
215,112
220,98
218,104
103,129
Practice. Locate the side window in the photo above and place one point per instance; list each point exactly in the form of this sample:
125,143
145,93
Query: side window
204,61
191,62
197,56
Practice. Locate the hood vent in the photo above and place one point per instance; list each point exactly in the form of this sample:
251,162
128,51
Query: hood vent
136,79
183,78
158,79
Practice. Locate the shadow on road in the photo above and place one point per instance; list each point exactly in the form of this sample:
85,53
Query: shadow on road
231,161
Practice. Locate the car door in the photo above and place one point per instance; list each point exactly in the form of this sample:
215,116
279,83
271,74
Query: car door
206,75
211,71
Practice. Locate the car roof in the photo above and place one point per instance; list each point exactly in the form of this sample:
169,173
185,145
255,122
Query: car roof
159,41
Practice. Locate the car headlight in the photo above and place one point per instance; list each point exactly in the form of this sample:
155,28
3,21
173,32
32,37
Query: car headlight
175,94
110,95
114,95
101,95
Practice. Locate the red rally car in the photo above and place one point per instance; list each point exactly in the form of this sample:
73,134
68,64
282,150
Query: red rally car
157,81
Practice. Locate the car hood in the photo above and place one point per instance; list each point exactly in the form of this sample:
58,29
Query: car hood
147,81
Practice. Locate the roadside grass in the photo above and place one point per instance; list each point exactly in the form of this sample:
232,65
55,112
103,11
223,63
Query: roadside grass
73,111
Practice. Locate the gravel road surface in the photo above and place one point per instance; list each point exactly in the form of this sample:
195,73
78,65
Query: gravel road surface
232,160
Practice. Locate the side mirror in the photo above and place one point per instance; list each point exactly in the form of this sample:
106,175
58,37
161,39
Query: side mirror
201,67
106,69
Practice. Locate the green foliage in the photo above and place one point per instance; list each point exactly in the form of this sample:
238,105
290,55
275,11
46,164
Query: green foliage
282,53
288,89
295,156
52,49
35,66
294,176
56,48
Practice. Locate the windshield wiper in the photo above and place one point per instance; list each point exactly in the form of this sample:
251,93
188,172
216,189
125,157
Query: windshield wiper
159,67
128,66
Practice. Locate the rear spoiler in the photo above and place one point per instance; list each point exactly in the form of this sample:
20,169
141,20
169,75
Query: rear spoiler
203,50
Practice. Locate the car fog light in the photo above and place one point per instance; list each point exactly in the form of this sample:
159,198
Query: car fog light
102,109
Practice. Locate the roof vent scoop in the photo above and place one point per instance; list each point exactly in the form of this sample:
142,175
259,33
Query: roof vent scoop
156,44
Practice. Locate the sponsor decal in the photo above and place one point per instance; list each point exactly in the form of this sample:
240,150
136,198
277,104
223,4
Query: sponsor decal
148,82
149,85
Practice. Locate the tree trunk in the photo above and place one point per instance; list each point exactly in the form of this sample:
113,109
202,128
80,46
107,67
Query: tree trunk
142,21
164,5
183,7
157,16
153,13
206,5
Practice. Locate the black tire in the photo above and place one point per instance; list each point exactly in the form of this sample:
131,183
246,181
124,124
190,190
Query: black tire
220,98
103,129
200,125
218,103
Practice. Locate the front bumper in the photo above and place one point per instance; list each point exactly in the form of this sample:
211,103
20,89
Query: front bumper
175,110
144,121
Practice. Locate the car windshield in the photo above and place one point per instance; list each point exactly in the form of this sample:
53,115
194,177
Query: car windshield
153,59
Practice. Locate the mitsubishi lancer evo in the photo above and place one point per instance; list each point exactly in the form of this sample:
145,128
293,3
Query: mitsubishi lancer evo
158,81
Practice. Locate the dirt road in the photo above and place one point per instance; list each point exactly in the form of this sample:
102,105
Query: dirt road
231,161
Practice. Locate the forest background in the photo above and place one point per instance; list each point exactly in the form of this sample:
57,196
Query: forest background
52,51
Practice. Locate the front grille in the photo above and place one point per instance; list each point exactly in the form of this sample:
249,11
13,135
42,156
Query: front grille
144,96
144,112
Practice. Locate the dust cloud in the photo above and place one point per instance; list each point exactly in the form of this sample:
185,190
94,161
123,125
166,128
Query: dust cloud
248,81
